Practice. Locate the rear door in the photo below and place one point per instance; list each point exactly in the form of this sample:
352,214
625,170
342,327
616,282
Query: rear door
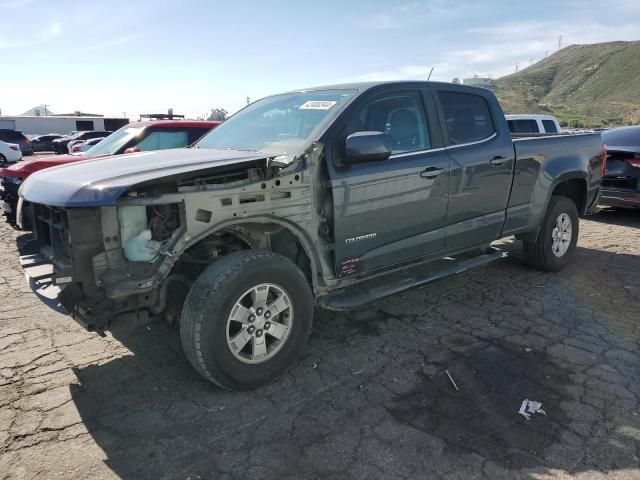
394,210
482,158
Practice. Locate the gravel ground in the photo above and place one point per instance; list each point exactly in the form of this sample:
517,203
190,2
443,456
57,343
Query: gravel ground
370,397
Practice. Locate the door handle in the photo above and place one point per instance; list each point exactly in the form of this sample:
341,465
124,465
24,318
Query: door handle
498,161
431,172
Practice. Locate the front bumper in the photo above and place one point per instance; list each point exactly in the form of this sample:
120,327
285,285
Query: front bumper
613,197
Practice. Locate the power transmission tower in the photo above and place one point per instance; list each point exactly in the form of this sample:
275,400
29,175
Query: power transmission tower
46,112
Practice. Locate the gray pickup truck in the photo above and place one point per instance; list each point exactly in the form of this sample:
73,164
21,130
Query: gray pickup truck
329,196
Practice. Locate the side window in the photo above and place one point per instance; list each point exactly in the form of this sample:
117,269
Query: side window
467,116
399,115
523,126
164,139
549,126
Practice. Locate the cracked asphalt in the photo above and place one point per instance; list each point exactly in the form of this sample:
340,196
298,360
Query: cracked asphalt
370,397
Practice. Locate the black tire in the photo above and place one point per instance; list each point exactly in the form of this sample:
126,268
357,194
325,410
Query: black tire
3,159
203,324
539,254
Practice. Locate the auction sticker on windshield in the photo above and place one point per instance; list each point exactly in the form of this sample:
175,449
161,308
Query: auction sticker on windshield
317,105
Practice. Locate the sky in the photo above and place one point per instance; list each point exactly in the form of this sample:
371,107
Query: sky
129,57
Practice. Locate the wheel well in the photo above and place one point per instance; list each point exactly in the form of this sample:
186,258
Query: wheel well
264,236
576,190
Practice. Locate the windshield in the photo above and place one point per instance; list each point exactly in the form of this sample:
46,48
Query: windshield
281,124
114,142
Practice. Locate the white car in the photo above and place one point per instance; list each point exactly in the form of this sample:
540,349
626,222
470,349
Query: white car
9,153
79,148
536,124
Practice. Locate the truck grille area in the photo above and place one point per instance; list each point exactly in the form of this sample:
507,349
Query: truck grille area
68,239
51,232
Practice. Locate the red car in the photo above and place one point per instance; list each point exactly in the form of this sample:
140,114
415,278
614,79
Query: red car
134,137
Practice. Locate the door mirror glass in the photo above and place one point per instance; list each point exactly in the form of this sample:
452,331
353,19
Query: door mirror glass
367,147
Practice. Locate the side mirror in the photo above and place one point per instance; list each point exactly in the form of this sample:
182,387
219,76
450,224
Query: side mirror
367,147
131,150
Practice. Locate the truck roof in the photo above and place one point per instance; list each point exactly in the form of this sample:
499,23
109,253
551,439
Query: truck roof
362,86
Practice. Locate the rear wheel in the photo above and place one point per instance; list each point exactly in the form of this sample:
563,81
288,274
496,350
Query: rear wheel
246,319
557,239
3,159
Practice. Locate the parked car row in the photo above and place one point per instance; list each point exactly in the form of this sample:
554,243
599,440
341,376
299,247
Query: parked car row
313,197
9,153
44,143
16,137
80,146
61,145
133,137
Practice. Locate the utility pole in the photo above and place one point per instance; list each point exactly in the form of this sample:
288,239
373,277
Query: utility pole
516,67
248,100
45,105
560,42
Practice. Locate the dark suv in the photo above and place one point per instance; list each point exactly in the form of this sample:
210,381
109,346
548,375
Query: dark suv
60,145
16,136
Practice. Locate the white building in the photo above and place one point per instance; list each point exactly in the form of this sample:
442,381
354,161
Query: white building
63,124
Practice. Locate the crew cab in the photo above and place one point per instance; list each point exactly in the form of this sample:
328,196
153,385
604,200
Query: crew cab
332,196
133,137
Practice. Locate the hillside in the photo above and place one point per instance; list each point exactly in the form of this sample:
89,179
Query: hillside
590,85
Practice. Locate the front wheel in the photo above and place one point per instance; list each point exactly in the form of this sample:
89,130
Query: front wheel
557,239
246,319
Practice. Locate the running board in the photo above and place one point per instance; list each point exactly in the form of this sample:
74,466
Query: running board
389,284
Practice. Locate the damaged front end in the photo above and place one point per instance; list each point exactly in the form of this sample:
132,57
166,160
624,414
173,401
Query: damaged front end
101,262
138,257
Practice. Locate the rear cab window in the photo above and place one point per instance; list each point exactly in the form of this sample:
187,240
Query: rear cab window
523,126
467,116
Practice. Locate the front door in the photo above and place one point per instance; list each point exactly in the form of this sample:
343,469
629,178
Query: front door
394,210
